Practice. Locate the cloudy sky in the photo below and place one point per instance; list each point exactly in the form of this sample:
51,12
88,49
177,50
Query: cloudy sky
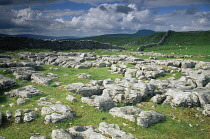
97,17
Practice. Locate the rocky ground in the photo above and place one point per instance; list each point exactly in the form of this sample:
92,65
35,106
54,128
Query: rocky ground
139,83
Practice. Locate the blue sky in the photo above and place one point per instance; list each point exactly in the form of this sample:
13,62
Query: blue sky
97,17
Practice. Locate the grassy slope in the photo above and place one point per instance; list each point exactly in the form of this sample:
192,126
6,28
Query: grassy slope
196,43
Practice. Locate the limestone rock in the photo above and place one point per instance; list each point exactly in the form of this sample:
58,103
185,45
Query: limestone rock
60,134
24,92
20,101
59,113
148,118
85,132
114,131
6,83
41,79
206,110
29,116
183,99
127,112
71,98
8,115
103,103
158,98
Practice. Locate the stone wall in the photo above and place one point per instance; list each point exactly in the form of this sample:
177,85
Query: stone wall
14,43
161,42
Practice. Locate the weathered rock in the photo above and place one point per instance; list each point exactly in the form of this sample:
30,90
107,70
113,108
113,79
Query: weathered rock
148,118
206,110
183,99
20,101
60,134
127,112
90,90
158,98
18,113
8,115
2,137
85,132
41,79
29,116
59,113
71,98
24,92
114,131
41,137
103,103
203,95
6,83
17,120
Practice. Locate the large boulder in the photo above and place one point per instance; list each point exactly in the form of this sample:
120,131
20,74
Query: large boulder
148,118
182,99
6,83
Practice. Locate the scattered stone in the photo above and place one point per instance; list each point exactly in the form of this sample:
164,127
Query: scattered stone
11,104
84,75
20,101
8,115
71,98
29,116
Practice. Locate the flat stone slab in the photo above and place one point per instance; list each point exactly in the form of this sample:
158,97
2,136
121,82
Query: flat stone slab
134,114
24,92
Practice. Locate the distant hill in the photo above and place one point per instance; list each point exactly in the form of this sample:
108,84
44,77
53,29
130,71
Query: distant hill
142,32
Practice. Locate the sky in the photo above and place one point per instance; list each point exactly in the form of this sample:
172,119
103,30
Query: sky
96,17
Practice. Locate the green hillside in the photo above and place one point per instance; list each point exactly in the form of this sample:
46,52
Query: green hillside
196,43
